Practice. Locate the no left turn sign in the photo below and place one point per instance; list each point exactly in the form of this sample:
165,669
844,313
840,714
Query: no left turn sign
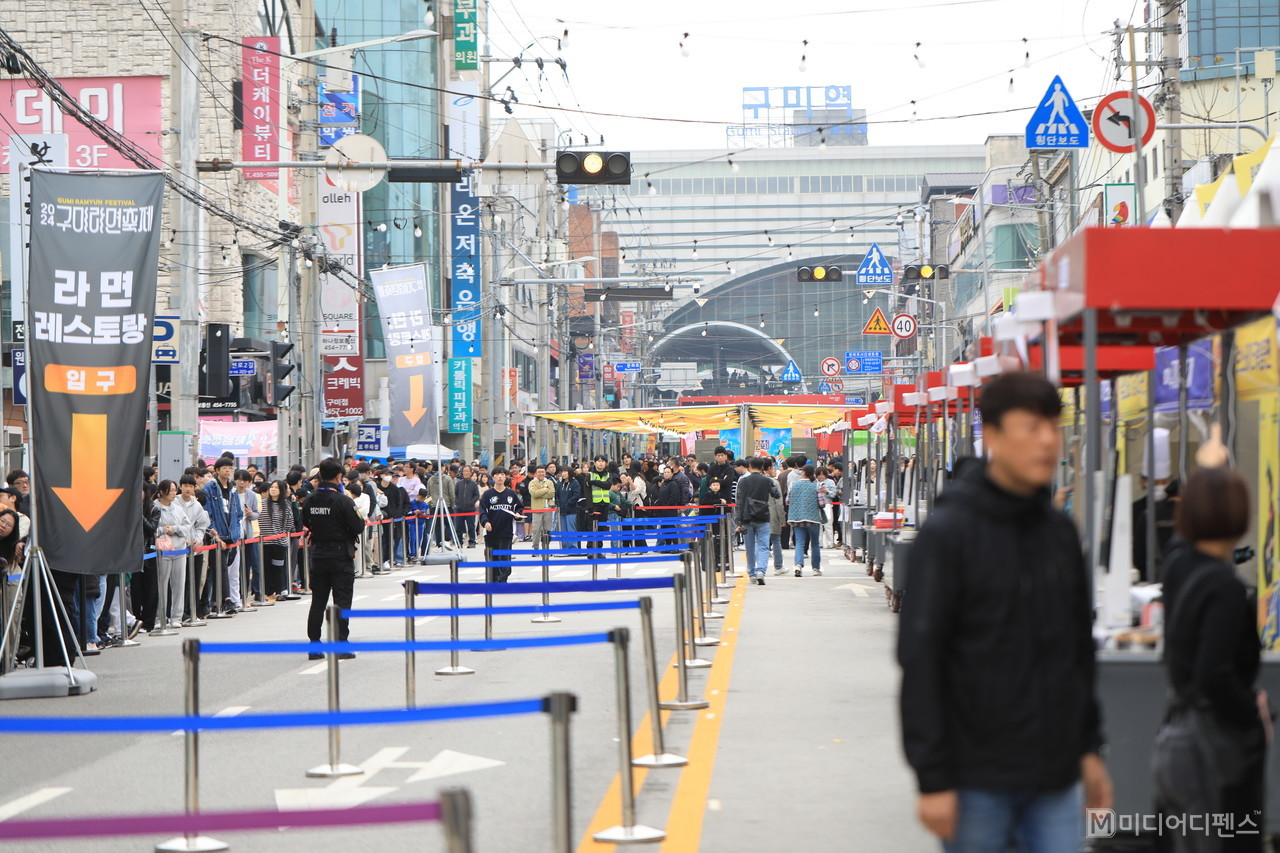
830,366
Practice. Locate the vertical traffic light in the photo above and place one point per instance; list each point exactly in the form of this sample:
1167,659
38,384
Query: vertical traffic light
217,361
280,370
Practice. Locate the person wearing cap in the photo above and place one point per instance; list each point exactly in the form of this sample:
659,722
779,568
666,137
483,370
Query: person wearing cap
334,526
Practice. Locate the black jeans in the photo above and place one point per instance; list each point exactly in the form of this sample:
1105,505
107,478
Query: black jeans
336,577
275,555
497,542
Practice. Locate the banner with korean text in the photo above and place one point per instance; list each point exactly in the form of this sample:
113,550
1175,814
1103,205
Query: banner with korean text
260,136
405,305
95,245
459,395
464,269
243,440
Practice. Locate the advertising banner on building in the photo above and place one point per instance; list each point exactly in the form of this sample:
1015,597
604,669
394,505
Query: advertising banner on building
241,440
260,77
1199,377
464,269
459,395
463,120
26,151
344,386
1268,524
95,247
466,53
339,112
338,222
405,306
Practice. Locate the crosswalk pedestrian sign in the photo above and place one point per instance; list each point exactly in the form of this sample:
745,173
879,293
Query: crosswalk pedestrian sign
875,268
877,325
1057,122
792,373
824,388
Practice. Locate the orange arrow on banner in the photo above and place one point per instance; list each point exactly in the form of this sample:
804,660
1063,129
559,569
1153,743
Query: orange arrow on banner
88,498
417,392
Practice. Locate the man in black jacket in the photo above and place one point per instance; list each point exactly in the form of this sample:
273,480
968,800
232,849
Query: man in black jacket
397,507
722,470
331,519
999,715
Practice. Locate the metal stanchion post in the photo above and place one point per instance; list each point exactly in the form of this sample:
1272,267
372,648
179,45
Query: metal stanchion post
245,606
660,757
492,577
260,600
304,554
714,564
628,832
193,591
682,701
454,668
455,814
125,642
546,596
335,767
699,606
410,636
690,624
191,760
215,612
561,707
726,547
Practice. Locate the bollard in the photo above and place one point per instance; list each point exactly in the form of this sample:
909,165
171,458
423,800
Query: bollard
454,668
193,592
709,580
455,815
660,757
692,661
698,611
628,832
410,657
682,701
561,706
125,642
216,611
546,596
335,767
191,760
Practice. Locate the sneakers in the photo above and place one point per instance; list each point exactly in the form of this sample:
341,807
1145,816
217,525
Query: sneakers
346,656
314,656
759,579
779,572
799,570
817,571
135,628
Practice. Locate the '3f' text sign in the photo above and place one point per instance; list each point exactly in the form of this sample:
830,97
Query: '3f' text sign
95,243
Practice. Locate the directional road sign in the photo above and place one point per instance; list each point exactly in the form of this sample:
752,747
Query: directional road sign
627,367
792,373
875,269
1057,122
831,366
855,401
904,326
864,361
877,325
1117,123
243,367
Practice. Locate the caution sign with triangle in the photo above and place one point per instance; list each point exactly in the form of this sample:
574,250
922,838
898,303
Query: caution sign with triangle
877,325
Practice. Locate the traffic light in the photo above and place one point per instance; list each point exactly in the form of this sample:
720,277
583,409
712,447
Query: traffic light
280,370
217,380
593,167
919,272
819,273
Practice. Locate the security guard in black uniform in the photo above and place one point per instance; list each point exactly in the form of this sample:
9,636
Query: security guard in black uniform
335,526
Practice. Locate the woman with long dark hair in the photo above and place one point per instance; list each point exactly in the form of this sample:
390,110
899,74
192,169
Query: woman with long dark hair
276,518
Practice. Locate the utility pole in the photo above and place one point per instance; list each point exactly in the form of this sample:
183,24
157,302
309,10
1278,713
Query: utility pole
1139,164
311,405
185,108
1171,95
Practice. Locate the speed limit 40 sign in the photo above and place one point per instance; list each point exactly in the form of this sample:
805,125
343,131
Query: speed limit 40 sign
904,326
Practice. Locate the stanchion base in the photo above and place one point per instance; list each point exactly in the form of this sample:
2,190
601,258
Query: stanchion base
331,771
665,759
638,834
262,604
194,623
705,641
687,705
218,616
194,844
725,586
721,601
47,683
545,618
694,663
162,632
711,614
455,670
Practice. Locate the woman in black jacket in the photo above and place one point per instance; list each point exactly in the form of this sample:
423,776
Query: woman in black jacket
1212,656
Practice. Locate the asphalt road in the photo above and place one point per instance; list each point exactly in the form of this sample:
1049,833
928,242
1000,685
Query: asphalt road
799,749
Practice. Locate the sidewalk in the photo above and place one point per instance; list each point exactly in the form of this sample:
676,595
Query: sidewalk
809,752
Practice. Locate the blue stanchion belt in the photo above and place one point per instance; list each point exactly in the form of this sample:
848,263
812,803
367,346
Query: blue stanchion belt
298,720
611,584
508,564
401,645
492,611
580,553
610,536
665,521
14,578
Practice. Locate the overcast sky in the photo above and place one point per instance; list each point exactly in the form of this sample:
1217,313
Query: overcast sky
626,58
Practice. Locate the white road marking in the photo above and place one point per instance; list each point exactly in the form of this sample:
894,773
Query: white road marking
229,711
425,619
450,763
858,589
396,597
350,791
315,670
356,598
30,801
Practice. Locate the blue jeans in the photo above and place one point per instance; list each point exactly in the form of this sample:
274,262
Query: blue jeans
755,541
808,536
997,821
568,524
775,542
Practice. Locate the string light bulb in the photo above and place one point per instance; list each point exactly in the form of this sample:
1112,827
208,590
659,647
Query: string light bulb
832,229
804,51
704,330
417,228
684,51
762,321
695,250
733,166
1010,83
768,239
791,256
850,237
652,189
382,227
815,310
916,57
728,267
1026,60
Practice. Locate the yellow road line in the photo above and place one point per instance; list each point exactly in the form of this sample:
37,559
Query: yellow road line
694,780
689,807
